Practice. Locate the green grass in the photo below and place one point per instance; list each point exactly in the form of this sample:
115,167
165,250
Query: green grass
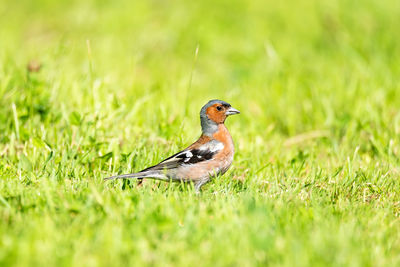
315,180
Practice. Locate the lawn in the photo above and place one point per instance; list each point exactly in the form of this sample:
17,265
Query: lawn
89,89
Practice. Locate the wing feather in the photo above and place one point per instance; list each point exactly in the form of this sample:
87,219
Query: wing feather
189,156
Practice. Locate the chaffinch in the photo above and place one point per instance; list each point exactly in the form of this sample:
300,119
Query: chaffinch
211,155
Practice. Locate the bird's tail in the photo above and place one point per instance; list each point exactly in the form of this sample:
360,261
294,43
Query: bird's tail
139,175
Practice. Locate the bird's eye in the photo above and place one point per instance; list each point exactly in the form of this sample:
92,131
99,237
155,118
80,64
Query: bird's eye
219,108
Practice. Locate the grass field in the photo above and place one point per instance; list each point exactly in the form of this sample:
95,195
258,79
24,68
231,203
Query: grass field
315,179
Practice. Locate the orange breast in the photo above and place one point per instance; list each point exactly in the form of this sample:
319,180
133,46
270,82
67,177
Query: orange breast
224,137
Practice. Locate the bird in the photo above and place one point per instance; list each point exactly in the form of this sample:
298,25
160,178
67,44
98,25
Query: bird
211,155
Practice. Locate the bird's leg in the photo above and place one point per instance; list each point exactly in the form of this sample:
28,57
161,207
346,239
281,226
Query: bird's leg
197,189
198,185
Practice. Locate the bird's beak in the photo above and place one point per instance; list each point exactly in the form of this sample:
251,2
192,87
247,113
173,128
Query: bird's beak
231,111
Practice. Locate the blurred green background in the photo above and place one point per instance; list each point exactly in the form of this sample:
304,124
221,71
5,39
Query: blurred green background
93,88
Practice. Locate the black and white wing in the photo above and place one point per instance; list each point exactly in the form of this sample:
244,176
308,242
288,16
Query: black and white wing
189,156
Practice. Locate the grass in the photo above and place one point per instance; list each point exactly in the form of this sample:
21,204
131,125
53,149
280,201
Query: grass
315,180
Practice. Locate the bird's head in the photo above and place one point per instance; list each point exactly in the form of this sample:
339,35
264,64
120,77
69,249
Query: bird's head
213,113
